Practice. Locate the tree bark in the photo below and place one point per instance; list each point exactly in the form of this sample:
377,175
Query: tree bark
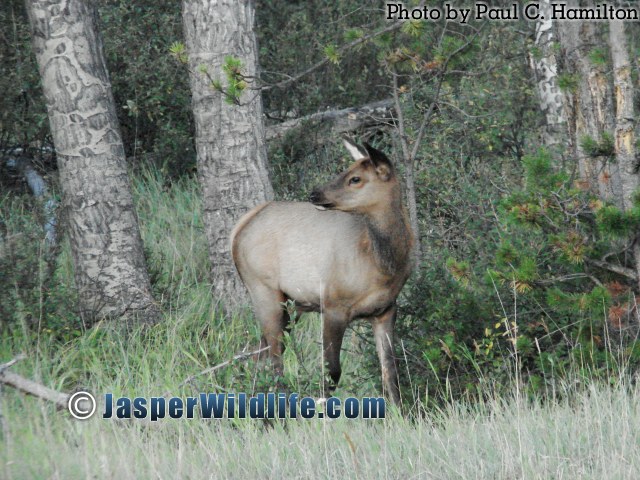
108,257
230,139
589,107
408,159
625,124
545,68
625,112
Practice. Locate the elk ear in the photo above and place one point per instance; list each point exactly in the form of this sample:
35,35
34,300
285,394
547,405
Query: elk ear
380,161
356,152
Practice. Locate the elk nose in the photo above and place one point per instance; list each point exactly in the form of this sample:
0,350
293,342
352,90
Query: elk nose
315,196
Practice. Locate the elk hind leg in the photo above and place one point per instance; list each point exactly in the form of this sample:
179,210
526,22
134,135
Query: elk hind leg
383,333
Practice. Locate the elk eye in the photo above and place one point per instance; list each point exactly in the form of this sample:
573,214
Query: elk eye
354,180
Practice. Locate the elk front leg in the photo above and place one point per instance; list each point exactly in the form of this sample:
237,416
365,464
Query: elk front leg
333,328
273,321
383,334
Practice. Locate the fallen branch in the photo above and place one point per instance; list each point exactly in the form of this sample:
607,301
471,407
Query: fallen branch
619,269
11,363
61,400
217,367
29,386
344,120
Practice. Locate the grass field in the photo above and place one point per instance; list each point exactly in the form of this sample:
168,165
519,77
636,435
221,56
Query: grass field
582,429
589,431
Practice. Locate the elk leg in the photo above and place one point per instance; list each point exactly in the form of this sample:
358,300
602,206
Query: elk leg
332,334
383,334
273,320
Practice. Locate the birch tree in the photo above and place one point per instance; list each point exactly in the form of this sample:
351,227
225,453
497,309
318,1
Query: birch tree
544,64
110,272
230,137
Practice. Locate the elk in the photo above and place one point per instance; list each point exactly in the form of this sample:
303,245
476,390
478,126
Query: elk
345,253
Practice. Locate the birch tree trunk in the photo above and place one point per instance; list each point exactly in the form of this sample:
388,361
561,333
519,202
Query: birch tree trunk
589,106
108,257
230,139
545,68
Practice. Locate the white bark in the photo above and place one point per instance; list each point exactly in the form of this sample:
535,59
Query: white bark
545,68
110,271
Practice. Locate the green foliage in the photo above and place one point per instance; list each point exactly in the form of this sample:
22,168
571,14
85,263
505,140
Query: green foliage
536,52
539,171
147,63
613,221
284,29
23,113
568,82
459,270
414,27
549,237
332,54
353,34
236,82
194,333
598,56
179,52
36,287
605,147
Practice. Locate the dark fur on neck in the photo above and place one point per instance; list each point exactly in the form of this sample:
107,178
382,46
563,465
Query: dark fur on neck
390,244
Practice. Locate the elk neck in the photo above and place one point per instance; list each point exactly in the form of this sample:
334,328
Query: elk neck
389,234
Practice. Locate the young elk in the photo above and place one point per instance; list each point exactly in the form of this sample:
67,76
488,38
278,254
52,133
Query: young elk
346,254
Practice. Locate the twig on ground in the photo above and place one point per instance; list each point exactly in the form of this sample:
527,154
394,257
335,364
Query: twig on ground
217,367
29,386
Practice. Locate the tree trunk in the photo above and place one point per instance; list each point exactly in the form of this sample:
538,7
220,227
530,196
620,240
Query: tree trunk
230,139
589,104
625,123
408,159
625,113
545,68
110,271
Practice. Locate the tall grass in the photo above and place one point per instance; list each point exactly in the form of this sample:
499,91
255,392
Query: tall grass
587,430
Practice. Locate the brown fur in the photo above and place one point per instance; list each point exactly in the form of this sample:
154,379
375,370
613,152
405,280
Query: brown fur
348,261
